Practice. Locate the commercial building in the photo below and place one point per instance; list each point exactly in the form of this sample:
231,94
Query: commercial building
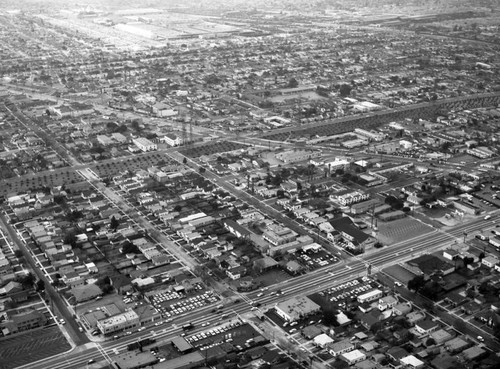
277,235
127,320
172,139
236,229
370,296
372,136
296,308
350,197
144,144
297,155
364,206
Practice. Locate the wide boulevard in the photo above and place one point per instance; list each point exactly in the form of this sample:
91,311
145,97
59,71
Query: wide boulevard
299,286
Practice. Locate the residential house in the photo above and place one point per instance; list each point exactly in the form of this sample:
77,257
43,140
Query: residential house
387,302
23,321
426,326
340,347
411,362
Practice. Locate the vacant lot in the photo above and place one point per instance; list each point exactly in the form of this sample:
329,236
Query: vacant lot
400,230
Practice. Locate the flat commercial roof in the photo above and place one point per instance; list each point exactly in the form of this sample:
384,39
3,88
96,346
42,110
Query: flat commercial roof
134,359
184,361
181,344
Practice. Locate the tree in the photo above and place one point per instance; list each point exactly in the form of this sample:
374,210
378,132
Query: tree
468,260
345,90
114,223
27,281
40,285
74,215
9,304
330,317
129,248
416,283
136,124
445,147
340,364
177,208
184,161
293,83
70,238
202,170
103,281
106,288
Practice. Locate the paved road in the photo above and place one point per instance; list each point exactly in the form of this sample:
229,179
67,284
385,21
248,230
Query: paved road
71,326
303,285
119,202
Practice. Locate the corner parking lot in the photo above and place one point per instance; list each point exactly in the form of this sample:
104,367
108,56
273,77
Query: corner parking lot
25,348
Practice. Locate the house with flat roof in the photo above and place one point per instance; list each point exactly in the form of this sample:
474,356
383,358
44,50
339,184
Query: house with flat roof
456,345
322,340
387,302
441,336
473,353
412,362
353,357
426,326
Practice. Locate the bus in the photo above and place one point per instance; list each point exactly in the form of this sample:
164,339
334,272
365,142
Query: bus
188,326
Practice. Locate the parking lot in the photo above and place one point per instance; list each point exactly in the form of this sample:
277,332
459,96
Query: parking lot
314,260
171,304
236,332
344,293
35,345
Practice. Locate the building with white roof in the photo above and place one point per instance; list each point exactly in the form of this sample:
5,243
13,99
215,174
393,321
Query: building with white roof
322,340
120,322
353,357
144,144
412,362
